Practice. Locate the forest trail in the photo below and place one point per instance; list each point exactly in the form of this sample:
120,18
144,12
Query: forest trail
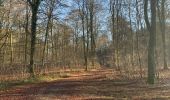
92,85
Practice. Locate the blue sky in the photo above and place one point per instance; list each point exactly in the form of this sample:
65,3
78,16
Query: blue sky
102,16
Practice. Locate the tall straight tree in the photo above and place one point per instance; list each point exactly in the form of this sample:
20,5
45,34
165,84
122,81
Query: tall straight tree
93,45
138,26
151,26
34,8
11,39
49,14
112,11
82,15
26,31
132,35
161,15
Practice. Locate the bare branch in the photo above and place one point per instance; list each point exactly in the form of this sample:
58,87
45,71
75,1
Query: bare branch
146,15
29,1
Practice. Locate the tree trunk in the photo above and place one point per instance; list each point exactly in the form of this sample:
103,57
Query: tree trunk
46,37
161,15
34,6
26,33
112,10
138,18
152,39
84,38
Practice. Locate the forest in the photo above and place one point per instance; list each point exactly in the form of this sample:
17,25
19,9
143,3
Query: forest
84,49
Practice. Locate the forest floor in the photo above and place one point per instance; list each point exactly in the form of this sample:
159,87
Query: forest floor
92,85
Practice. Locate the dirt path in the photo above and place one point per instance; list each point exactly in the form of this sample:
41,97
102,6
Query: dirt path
93,85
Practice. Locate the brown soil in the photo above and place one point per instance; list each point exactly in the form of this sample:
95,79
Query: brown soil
92,85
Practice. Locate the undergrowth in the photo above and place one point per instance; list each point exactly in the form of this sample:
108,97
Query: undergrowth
33,80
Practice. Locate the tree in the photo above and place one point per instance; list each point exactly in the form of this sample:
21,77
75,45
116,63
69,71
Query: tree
112,11
50,8
92,36
26,32
161,15
11,34
151,26
132,35
34,8
82,15
138,22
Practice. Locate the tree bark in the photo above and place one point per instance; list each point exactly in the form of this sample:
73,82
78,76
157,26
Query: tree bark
34,7
46,37
161,15
152,39
26,33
